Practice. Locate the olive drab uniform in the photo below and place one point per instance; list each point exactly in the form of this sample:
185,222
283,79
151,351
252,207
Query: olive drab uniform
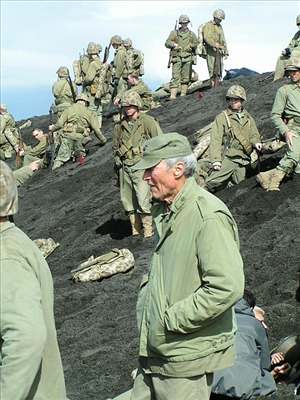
293,50
119,70
128,141
75,123
213,35
182,56
36,152
9,136
134,62
63,95
233,137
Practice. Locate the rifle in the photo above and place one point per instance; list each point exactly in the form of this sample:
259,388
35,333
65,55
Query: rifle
72,88
170,53
106,53
51,150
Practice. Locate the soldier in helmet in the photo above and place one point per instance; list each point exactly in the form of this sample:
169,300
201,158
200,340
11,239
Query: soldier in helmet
182,43
293,50
80,66
94,80
119,74
129,137
9,142
286,118
134,59
215,46
75,123
234,135
62,91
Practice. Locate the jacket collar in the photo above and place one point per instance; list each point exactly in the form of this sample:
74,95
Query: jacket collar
6,225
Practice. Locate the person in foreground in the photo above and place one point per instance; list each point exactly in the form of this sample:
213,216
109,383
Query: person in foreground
30,363
186,306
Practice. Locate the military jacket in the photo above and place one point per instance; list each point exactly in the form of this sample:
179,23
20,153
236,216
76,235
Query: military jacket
235,142
145,93
8,130
30,361
77,119
187,43
295,42
95,77
129,138
62,92
37,150
196,276
287,105
213,34
119,63
134,62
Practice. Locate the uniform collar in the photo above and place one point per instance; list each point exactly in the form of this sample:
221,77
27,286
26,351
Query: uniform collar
6,225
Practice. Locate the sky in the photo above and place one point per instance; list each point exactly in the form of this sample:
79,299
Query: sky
39,36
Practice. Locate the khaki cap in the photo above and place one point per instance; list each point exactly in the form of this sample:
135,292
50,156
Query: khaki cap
8,191
163,147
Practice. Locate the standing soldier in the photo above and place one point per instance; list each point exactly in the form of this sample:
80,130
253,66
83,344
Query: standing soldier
234,135
119,74
128,140
134,59
293,50
62,91
182,44
286,118
215,47
75,123
80,66
9,135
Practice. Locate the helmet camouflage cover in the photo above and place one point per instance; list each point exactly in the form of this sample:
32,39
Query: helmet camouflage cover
63,72
131,99
94,48
236,91
184,19
294,64
220,14
298,19
127,42
116,39
82,97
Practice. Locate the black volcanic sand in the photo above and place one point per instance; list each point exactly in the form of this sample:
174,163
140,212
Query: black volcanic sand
80,208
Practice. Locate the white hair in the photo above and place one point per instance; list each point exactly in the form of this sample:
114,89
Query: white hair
190,163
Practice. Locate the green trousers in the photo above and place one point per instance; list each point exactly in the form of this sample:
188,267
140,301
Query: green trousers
291,159
69,144
230,172
135,192
29,159
181,73
210,61
159,387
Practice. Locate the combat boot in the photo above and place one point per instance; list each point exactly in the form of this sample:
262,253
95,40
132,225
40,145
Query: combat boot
184,89
173,93
136,224
147,225
264,178
275,180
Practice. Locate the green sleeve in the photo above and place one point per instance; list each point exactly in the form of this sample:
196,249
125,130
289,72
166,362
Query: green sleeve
11,137
23,329
38,149
208,35
22,175
223,41
153,128
194,43
221,269
61,121
120,63
254,135
216,139
278,109
172,39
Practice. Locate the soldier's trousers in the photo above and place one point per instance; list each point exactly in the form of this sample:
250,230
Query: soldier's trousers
159,387
135,192
291,159
230,172
69,144
29,159
210,61
96,106
181,73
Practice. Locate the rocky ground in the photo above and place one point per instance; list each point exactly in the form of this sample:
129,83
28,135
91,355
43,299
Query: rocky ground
80,208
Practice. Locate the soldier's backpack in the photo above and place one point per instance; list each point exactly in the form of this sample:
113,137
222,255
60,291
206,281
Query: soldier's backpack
104,266
201,50
138,60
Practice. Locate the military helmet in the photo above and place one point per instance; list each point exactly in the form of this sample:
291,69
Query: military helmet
116,39
294,64
236,91
63,72
8,190
184,19
94,48
127,42
298,20
220,14
3,107
131,99
82,97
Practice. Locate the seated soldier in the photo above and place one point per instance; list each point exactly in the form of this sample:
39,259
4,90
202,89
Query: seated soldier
37,152
234,136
